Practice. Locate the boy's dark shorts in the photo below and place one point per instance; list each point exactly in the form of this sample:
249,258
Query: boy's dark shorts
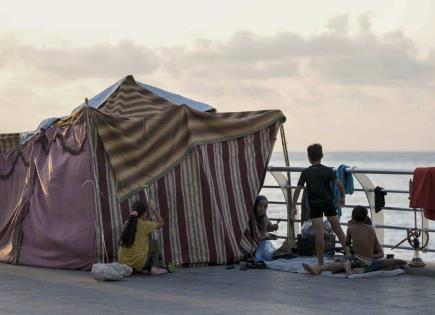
318,209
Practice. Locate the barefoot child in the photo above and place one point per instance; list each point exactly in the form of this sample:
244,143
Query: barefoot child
366,250
138,250
318,180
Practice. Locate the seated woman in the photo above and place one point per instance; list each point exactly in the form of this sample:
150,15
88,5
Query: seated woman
367,252
138,250
265,248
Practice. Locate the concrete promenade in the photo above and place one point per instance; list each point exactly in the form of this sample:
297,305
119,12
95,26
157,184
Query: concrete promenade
211,290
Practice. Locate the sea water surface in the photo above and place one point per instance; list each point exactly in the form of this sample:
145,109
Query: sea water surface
382,160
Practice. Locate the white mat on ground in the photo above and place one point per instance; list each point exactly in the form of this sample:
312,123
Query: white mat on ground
295,265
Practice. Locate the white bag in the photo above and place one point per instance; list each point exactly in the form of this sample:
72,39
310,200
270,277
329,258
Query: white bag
110,272
307,230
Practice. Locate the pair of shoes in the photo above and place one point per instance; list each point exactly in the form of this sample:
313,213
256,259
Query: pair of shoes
260,265
243,266
256,265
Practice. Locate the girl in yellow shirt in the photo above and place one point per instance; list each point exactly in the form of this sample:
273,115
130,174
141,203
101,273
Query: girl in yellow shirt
137,249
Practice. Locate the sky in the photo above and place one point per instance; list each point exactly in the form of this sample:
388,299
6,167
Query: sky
352,75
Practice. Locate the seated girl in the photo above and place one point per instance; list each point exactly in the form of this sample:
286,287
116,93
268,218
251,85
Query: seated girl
265,248
138,250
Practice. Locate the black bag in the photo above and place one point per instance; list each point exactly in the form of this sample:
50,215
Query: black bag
306,245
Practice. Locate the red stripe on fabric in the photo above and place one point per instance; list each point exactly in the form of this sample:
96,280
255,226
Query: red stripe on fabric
244,175
228,249
230,191
259,163
125,210
104,200
164,213
206,203
249,203
181,217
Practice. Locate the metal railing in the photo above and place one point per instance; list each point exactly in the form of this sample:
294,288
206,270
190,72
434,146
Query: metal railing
364,171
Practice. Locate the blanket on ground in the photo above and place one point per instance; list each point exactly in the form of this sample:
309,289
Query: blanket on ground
295,265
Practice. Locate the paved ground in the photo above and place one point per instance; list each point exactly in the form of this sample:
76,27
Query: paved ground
210,290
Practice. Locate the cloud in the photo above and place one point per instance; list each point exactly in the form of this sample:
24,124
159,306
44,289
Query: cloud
345,78
335,56
244,56
69,62
389,59
340,24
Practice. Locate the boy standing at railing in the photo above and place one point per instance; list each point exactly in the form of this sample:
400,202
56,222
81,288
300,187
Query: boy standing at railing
318,180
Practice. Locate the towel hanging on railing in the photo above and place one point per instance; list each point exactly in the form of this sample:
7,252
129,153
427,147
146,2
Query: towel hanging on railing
422,192
347,180
379,198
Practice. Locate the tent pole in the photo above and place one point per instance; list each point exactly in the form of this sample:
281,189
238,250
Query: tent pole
290,242
101,249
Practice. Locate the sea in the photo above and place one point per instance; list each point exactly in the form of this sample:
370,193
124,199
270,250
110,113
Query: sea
378,160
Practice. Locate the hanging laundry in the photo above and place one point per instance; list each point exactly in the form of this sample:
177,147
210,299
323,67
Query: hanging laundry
423,191
379,198
347,181
346,178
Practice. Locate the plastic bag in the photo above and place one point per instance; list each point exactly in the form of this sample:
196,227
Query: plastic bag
110,272
307,229
264,251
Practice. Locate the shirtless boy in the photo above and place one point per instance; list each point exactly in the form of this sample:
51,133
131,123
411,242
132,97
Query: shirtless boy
365,248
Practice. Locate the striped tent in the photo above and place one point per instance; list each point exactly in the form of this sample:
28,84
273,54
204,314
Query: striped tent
69,189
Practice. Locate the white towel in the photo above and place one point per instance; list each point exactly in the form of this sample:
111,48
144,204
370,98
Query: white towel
295,265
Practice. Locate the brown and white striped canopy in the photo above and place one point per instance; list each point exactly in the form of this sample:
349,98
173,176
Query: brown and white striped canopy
9,141
145,135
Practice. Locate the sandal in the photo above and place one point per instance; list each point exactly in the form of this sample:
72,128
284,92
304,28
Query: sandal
171,267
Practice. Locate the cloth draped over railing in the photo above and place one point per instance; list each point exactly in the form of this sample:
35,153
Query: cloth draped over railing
423,191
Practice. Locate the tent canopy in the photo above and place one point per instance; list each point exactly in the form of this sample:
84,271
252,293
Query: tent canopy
67,191
98,100
101,98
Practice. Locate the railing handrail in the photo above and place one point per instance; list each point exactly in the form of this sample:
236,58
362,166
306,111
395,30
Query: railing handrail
355,170
396,191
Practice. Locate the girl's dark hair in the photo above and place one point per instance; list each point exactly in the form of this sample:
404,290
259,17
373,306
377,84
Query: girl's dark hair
129,233
359,214
260,221
258,199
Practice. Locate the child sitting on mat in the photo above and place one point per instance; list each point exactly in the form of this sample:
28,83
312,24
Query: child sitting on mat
265,248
